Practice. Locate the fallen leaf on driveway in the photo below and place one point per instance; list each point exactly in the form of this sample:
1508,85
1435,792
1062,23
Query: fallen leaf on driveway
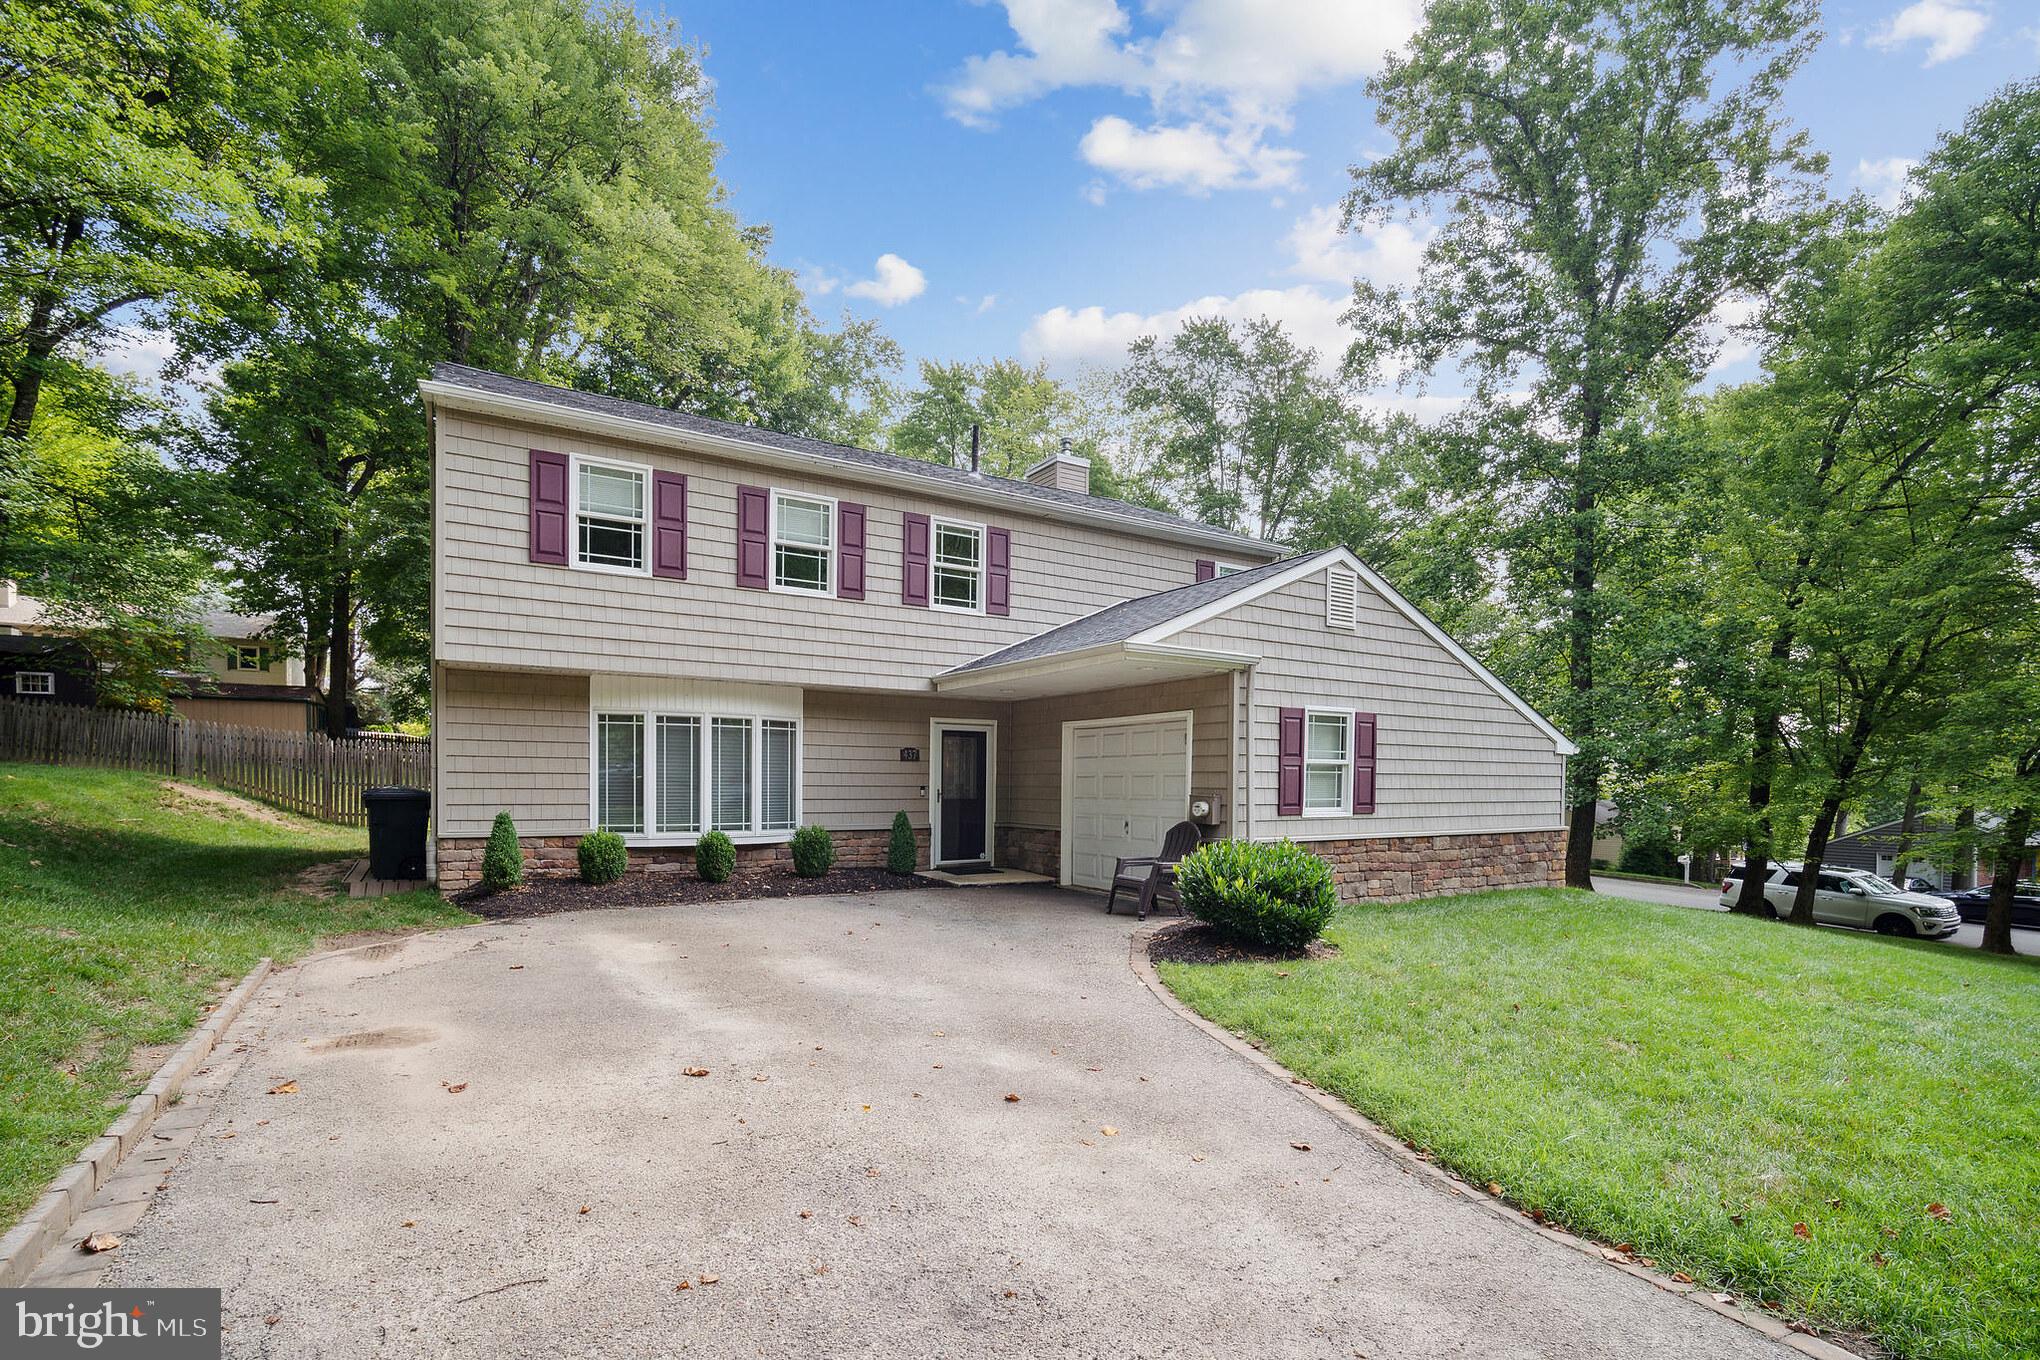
1196,1159
271,1320
694,1071
288,1088
1682,1277
1495,1188
1109,1131
584,1208
454,1089
807,1213
1301,1147
761,1078
410,1223
1012,1099
683,1286
515,967
99,1242
708,1279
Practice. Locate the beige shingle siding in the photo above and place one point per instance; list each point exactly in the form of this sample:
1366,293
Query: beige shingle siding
853,778
1453,756
1030,769
511,741
496,608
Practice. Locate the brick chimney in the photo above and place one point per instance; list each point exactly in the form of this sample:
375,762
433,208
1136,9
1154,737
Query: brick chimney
1065,472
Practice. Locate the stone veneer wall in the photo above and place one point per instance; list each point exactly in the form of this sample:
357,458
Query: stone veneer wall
1034,849
1399,868
459,860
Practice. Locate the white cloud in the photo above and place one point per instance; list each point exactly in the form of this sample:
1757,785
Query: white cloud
1726,328
893,281
1221,76
1094,193
1950,29
986,303
1386,253
1072,337
1885,179
1195,158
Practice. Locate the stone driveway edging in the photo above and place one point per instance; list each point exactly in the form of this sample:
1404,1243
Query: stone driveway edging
51,1217
1413,1163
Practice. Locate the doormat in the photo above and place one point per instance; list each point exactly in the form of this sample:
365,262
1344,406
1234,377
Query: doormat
975,867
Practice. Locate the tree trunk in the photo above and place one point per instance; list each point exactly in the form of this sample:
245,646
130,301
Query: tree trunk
340,649
1816,851
1964,877
1997,918
1903,851
1585,774
1757,861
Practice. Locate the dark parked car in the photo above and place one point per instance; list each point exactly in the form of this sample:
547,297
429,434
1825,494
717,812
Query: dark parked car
1974,902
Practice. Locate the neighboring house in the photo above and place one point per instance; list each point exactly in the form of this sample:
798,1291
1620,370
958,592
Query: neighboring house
659,623
1607,834
52,670
244,677
1875,848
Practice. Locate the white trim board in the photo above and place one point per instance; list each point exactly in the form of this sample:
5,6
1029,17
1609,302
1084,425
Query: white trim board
1319,561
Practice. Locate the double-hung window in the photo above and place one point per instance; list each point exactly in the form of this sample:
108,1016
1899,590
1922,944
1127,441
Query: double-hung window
1327,762
958,567
675,775
803,542
609,516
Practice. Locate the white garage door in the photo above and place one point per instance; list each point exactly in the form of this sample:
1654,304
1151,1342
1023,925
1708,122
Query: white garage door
1129,783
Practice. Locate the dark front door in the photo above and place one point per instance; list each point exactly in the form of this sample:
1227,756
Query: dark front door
963,794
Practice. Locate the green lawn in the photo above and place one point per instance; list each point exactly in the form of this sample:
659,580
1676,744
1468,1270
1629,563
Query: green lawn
122,911
1699,1085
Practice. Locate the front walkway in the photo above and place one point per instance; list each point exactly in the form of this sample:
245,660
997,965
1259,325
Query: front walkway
493,1149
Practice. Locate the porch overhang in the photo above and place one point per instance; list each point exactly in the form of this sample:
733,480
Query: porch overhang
1110,665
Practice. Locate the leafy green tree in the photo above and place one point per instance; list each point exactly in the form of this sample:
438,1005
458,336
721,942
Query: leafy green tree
1247,430
1021,414
1608,173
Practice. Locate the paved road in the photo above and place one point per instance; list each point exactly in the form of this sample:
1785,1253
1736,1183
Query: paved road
492,1151
1970,935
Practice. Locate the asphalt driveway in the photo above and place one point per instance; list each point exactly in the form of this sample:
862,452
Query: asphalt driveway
492,1149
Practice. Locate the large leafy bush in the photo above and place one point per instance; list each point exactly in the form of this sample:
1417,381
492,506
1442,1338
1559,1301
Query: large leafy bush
603,857
1279,895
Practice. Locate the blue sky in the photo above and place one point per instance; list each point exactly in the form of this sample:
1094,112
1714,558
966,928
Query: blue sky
1051,177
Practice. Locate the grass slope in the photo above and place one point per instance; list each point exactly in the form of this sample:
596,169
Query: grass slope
122,911
1698,1084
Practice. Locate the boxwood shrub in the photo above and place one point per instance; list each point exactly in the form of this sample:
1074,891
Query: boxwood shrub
1278,895
503,860
813,851
901,854
603,857
715,857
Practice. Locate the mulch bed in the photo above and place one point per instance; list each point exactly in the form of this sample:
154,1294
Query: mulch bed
545,896
1195,942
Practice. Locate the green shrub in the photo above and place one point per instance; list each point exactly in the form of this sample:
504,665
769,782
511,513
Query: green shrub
715,857
603,857
1277,895
901,854
813,851
1649,856
503,861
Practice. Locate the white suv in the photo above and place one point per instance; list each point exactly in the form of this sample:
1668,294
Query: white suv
1854,897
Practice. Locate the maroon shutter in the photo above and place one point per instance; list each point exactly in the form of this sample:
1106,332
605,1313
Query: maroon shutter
914,579
1206,569
849,551
549,507
998,571
753,550
669,525
1363,762
1289,764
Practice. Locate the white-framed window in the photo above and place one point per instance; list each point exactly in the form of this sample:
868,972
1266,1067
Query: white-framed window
1226,569
35,682
610,501
1342,599
957,566
803,543
671,776
1327,763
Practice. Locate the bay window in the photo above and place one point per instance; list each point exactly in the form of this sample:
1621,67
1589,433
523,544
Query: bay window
674,775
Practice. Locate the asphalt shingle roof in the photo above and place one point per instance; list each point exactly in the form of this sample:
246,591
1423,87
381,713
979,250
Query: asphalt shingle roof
483,380
1130,618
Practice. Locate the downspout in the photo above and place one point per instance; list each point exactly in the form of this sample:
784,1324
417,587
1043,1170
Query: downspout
1245,812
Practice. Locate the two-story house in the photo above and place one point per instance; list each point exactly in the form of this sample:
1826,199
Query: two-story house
662,624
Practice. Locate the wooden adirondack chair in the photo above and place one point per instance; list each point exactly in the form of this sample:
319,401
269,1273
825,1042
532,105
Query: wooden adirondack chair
1152,878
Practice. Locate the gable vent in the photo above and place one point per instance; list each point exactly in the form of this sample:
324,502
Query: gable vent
1342,599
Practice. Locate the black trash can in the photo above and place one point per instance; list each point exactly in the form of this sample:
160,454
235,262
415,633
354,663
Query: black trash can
396,831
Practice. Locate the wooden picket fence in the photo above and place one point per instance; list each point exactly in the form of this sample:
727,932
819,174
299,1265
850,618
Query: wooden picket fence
307,773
